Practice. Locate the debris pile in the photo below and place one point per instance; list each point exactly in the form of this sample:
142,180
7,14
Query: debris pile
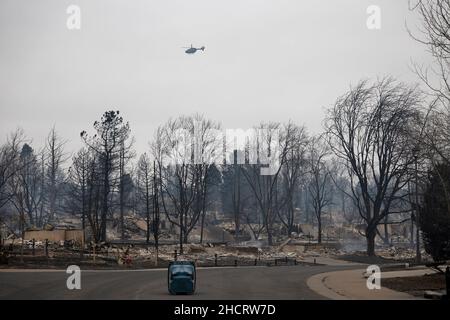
401,253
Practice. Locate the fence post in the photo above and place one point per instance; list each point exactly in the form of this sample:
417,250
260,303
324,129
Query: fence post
235,263
46,248
256,261
215,259
276,262
34,246
286,259
175,255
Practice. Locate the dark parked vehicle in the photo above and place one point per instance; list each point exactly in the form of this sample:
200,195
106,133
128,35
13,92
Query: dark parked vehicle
181,277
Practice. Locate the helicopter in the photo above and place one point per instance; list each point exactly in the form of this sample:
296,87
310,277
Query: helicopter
192,50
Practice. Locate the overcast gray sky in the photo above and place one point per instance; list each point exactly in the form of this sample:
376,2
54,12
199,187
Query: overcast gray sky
264,60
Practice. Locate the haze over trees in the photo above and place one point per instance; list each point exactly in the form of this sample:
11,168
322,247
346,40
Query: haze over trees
364,163
382,158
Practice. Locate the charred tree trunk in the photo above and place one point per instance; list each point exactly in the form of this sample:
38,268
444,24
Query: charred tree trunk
386,231
269,229
370,237
202,227
155,214
204,190
106,188
147,209
319,227
122,191
185,237
181,233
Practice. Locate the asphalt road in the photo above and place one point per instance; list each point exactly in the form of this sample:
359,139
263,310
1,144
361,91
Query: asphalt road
284,282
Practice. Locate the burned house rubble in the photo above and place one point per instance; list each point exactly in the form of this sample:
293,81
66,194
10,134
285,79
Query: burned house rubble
65,244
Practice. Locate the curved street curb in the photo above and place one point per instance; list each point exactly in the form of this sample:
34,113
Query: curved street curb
317,284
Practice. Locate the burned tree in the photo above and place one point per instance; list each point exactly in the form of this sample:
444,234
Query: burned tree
292,179
269,148
9,164
370,130
148,197
434,34
110,140
83,181
125,183
156,213
184,149
320,181
28,186
54,174
435,139
146,189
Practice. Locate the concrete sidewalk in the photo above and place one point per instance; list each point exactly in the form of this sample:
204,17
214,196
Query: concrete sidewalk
351,285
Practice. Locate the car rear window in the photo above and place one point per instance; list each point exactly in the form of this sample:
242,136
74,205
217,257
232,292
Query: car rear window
182,269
